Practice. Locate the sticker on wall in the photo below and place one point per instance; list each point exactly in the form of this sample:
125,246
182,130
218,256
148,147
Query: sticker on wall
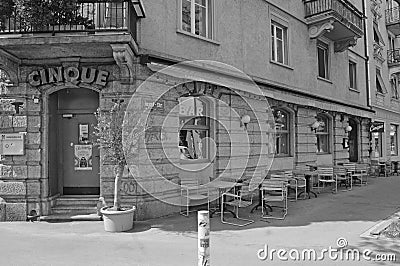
83,133
83,157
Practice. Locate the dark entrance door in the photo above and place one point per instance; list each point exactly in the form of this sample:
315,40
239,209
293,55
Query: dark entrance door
74,163
353,141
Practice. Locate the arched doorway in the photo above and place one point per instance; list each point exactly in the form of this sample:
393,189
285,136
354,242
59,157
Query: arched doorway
353,141
74,163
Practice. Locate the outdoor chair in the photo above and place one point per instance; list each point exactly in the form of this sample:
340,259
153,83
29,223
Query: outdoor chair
342,177
192,194
361,173
326,176
274,190
241,197
296,182
350,169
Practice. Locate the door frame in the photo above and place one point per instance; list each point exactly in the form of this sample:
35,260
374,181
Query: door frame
357,131
45,134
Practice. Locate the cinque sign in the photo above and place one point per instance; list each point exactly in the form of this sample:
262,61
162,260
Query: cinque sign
70,74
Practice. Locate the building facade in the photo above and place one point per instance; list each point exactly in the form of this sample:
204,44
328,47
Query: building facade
384,28
309,60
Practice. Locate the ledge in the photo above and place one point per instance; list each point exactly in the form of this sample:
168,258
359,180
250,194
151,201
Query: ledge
197,37
280,64
325,80
354,90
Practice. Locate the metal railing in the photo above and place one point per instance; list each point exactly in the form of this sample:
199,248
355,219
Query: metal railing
89,16
392,15
342,9
393,56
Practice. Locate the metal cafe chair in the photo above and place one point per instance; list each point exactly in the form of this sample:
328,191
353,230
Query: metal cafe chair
361,173
275,190
295,182
192,191
242,197
350,169
326,176
343,177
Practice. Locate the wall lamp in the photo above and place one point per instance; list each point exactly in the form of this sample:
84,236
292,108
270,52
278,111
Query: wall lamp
315,125
245,120
348,129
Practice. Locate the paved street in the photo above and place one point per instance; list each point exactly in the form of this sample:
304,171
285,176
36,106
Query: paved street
315,223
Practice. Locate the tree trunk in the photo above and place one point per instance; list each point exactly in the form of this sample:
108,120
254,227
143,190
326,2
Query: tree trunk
119,170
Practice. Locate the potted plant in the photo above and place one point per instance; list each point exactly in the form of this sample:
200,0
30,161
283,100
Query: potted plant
109,132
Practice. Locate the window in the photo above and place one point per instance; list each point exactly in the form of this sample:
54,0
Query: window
353,75
4,82
322,133
377,141
394,86
393,140
323,60
282,125
380,85
194,128
279,43
197,17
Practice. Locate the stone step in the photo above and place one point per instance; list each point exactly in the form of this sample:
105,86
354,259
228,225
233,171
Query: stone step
54,218
73,209
77,200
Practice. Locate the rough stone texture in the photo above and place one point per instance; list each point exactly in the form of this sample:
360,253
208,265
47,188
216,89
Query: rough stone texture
12,188
20,171
5,121
15,212
6,171
20,121
2,210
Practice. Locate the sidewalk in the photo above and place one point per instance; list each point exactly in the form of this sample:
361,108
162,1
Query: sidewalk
315,223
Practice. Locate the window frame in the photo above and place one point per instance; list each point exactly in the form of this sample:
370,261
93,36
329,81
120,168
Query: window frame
394,138
394,85
379,81
274,41
353,75
326,134
206,128
210,29
325,47
380,143
287,133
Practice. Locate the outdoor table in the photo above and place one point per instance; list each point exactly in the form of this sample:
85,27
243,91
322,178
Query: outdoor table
222,186
307,176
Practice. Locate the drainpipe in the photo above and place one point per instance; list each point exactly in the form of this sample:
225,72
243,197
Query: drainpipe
366,49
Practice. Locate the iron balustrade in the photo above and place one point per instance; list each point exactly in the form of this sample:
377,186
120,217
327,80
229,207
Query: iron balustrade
392,15
393,56
90,16
343,10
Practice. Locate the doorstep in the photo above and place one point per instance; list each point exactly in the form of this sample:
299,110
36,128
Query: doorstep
59,218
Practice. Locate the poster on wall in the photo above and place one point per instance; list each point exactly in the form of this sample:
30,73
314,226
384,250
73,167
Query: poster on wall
83,157
83,133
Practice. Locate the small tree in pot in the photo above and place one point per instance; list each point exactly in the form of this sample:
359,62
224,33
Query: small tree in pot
109,134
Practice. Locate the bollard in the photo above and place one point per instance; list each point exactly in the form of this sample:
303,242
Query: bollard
203,238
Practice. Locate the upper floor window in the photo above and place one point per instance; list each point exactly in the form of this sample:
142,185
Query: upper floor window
394,86
279,45
194,128
380,85
323,60
322,133
4,81
197,17
282,130
353,75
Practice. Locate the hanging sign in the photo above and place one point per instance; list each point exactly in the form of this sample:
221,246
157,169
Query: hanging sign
377,127
83,157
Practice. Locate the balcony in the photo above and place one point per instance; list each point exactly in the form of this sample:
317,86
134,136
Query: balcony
393,57
393,20
85,32
337,20
89,16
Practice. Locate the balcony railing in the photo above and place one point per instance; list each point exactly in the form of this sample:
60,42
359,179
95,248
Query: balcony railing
90,16
392,15
393,56
343,10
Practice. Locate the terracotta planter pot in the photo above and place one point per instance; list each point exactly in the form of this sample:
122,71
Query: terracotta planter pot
117,221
